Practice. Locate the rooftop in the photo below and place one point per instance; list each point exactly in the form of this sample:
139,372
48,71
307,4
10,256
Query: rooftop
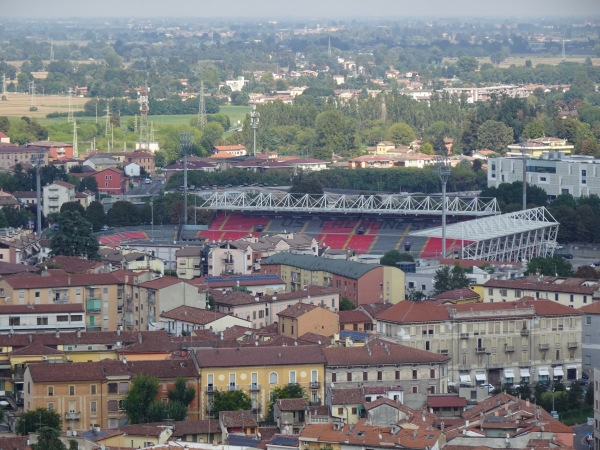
348,269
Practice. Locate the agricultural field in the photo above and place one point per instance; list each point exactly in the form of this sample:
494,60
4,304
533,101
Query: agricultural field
535,60
19,105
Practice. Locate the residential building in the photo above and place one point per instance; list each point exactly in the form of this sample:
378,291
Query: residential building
4,139
190,262
262,310
19,246
56,150
572,292
132,170
345,404
55,194
590,339
8,200
499,343
244,256
301,318
101,161
85,198
197,431
371,162
576,175
257,284
110,181
384,364
258,370
144,160
90,392
129,259
26,198
11,155
38,318
355,320
184,320
289,414
361,283
536,147
238,423
193,164
233,150
446,405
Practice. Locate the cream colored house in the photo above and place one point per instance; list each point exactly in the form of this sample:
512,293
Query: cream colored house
185,319
55,194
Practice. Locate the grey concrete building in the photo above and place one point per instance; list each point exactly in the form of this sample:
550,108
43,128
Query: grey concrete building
577,175
590,339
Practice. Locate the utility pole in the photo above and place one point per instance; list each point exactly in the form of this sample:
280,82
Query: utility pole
185,142
70,113
443,168
4,96
38,186
524,155
254,119
201,108
75,144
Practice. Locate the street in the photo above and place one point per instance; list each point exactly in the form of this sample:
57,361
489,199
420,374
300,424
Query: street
580,433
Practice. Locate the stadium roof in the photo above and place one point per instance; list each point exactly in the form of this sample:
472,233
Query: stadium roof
494,226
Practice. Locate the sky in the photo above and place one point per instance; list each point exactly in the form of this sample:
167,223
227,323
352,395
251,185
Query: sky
297,8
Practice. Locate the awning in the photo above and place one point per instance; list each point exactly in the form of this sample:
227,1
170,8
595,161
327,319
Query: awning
558,372
509,373
525,373
571,366
465,378
544,371
480,376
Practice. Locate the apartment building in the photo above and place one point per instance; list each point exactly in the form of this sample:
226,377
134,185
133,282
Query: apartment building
90,392
56,150
361,283
302,318
38,318
191,262
572,292
259,370
55,194
263,310
596,408
11,155
383,364
184,320
590,339
500,343
18,246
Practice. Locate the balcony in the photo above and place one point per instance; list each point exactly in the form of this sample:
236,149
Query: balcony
509,348
232,387
210,388
315,385
444,352
464,367
72,415
480,350
573,344
464,335
93,328
524,332
93,311
254,387
62,299
544,347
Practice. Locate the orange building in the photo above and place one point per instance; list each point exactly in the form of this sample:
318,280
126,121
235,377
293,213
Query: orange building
56,150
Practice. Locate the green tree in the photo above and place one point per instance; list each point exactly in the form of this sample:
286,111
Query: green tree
138,402
73,206
74,237
447,279
88,183
494,135
400,134
95,215
48,439
213,131
335,132
346,304
549,266
392,257
31,421
292,390
122,213
181,392
231,401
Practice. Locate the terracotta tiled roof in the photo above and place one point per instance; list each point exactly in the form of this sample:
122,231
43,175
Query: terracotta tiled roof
42,309
353,316
80,338
457,294
372,309
297,310
315,338
263,356
593,308
38,281
291,404
378,352
346,396
15,443
36,349
144,429
161,283
73,264
547,284
235,419
446,401
192,315
195,427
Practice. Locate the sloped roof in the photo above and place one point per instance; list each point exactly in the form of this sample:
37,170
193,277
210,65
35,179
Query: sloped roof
346,396
190,314
348,269
234,419
260,356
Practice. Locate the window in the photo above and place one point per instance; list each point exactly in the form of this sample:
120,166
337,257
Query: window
62,318
93,408
71,390
273,378
333,377
42,321
292,377
379,375
354,411
365,376
123,387
14,321
341,411
93,389
414,374
415,390
431,373
349,376
113,388
397,374
50,391
588,320
113,405
51,406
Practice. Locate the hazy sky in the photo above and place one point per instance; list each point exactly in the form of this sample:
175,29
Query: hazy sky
298,8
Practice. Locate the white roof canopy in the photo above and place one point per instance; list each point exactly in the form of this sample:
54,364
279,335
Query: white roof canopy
465,378
558,372
544,371
525,373
509,373
480,376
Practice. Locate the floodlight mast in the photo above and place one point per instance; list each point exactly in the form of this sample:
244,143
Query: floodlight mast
442,164
254,119
524,155
185,142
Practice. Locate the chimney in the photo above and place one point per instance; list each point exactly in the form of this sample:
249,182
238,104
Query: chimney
140,338
57,334
78,333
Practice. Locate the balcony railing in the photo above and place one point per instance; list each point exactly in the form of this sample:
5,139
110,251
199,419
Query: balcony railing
93,328
480,350
573,344
93,310
72,415
254,387
464,335
210,388
524,332
444,352
232,387
544,347
509,348
315,385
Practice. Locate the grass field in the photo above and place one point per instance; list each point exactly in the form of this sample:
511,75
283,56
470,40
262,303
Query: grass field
19,104
535,60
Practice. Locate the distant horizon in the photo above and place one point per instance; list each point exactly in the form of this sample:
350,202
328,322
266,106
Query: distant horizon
309,9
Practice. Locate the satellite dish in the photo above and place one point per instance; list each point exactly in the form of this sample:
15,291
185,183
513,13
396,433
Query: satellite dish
119,343
332,385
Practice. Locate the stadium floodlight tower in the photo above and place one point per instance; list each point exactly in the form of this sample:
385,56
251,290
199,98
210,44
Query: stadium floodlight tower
254,118
524,155
442,164
185,142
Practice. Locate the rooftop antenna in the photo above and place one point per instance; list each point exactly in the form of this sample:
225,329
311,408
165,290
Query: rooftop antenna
143,100
201,108
4,96
51,50
70,113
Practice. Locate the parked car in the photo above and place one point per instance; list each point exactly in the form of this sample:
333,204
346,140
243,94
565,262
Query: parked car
490,388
